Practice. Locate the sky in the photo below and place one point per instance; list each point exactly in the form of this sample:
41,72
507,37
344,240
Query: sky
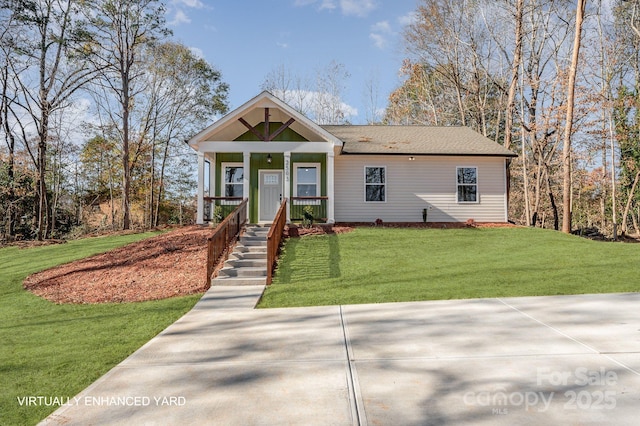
245,40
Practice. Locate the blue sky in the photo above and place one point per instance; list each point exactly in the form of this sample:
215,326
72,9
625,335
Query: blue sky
246,40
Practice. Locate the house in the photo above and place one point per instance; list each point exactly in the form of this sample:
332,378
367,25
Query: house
265,151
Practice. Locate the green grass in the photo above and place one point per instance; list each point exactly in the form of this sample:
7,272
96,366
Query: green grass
372,265
58,350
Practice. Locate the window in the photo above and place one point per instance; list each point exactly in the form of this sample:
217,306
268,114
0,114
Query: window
233,177
467,184
306,181
375,184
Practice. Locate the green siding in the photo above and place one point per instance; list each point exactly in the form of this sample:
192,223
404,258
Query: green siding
288,135
259,162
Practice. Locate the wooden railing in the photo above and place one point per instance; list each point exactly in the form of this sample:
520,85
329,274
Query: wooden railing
317,208
223,236
274,238
226,204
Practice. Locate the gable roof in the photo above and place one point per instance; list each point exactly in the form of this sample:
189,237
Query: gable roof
229,127
416,140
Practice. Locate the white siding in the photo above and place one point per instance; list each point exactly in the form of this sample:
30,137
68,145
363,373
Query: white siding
427,181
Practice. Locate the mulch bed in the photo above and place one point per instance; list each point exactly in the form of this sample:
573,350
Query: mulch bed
171,264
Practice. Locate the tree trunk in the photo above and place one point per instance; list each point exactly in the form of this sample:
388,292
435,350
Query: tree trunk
566,150
625,215
126,170
511,97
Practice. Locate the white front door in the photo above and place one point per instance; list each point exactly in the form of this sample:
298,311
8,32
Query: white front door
270,194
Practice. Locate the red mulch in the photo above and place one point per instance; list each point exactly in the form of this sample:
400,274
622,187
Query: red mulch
171,264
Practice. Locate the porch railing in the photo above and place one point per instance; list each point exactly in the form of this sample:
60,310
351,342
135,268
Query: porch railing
226,206
314,208
274,238
224,234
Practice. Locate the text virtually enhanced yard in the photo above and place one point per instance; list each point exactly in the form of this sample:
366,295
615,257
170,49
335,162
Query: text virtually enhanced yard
375,265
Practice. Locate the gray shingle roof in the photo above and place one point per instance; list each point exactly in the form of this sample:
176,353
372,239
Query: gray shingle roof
416,140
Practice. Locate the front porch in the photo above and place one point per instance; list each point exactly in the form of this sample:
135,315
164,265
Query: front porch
264,152
305,179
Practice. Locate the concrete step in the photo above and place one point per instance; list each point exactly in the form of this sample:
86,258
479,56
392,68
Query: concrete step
243,272
239,255
246,263
230,281
249,241
260,234
241,248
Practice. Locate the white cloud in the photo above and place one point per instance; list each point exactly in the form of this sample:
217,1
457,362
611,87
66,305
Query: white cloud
378,40
357,7
197,52
195,4
408,19
381,27
282,45
378,34
328,5
180,18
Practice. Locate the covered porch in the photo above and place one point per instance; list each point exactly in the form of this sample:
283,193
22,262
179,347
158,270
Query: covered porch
264,152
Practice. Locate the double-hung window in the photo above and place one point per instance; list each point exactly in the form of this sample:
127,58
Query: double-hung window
307,182
467,184
233,180
375,184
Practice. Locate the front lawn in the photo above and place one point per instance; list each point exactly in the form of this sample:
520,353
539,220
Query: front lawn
373,265
57,350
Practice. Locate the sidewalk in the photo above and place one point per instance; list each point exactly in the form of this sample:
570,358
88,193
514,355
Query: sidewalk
535,360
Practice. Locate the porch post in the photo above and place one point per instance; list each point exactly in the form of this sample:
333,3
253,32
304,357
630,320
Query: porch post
212,175
287,182
330,189
200,197
246,180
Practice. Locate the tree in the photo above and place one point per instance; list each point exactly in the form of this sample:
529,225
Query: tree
323,102
122,29
183,93
566,150
48,51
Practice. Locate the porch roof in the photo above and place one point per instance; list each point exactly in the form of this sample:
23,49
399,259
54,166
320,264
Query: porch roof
416,140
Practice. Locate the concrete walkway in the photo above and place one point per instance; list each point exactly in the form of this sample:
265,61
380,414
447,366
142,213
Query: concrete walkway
519,361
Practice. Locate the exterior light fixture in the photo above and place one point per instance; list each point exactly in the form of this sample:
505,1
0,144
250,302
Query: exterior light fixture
269,159
412,158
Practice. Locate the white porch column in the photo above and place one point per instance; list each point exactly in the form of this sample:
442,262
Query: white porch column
287,182
246,181
212,175
200,197
330,189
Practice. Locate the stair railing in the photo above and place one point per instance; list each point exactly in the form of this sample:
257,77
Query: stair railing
274,238
225,234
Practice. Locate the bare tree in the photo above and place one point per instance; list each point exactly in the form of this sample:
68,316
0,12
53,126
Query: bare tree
566,150
50,44
122,29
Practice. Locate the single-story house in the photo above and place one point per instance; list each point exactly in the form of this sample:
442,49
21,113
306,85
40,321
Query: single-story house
265,151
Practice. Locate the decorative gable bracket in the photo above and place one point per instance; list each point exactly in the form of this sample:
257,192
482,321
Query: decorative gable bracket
266,136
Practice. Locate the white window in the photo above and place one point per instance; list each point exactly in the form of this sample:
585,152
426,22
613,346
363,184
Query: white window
375,184
467,184
232,180
306,182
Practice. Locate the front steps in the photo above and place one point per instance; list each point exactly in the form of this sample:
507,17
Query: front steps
247,264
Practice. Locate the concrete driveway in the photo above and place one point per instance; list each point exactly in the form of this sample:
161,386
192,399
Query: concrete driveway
514,361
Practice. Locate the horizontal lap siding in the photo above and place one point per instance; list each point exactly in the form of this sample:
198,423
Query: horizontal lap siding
414,185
